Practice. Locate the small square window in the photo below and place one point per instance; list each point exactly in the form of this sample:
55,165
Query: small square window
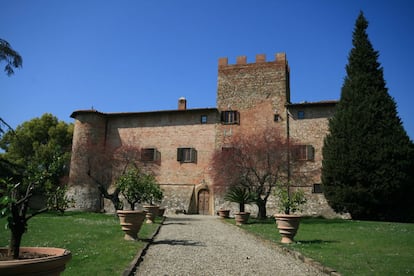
187,155
203,119
227,150
230,117
149,154
277,118
301,115
303,152
317,188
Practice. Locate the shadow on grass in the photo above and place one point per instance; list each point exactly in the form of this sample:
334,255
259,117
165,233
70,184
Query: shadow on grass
305,220
314,241
321,220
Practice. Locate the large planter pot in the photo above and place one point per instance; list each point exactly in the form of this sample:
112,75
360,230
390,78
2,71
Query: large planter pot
288,226
152,212
131,222
224,213
241,218
53,263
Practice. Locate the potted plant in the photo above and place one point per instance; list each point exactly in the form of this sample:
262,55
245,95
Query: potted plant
132,186
242,196
224,213
289,202
152,195
17,260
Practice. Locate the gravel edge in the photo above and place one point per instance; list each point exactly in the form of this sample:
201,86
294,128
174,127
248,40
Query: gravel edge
141,253
297,255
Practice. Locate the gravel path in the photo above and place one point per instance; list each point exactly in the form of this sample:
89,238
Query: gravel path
204,245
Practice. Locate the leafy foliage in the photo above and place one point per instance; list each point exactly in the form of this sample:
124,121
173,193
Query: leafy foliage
290,201
137,187
367,157
240,195
40,149
36,157
10,56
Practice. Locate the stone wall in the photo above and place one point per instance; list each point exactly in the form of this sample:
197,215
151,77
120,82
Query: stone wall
164,131
90,128
258,91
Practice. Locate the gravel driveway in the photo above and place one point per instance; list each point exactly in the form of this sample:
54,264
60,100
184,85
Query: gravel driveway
204,245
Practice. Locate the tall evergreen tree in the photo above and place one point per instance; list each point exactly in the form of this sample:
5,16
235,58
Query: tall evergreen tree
368,156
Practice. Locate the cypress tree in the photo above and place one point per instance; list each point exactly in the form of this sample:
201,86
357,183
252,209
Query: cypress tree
367,156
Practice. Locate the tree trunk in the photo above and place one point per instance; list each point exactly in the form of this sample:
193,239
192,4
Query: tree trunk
114,197
261,204
241,207
17,227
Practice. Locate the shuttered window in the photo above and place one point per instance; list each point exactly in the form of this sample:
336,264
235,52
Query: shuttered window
230,117
187,155
150,154
303,152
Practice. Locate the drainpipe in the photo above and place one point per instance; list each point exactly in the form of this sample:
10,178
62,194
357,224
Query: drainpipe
287,211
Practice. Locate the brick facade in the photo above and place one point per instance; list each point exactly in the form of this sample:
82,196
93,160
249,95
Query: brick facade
255,95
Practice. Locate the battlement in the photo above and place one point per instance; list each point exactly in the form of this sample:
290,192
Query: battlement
280,58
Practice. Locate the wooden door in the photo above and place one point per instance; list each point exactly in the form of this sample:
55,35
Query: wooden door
203,202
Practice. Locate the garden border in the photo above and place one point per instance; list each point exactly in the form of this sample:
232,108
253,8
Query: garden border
141,253
297,255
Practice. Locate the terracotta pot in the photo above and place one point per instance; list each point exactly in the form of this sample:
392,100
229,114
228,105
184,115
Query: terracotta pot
241,218
53,264
288,226
131,222
224,213
152,212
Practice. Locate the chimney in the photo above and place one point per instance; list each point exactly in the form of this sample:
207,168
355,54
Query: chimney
182,103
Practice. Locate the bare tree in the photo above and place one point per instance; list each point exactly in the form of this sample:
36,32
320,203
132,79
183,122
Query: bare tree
105,164
258,162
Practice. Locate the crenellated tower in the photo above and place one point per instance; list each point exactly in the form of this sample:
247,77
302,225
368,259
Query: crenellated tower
251,96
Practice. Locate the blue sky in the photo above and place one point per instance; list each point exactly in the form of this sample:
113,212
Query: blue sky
126,56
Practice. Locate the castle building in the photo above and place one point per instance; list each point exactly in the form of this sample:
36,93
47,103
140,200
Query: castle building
180,143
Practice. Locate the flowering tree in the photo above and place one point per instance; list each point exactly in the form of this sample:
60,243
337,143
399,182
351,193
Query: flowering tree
258,162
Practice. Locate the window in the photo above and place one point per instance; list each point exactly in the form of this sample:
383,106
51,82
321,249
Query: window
303,152
230,117
301,115
203,119
149,154
317,188
227,149
187,155
277,118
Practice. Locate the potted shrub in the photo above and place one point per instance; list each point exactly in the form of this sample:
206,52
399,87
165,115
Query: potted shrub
152,195
242,196
17,260
132,186
224,213
289,202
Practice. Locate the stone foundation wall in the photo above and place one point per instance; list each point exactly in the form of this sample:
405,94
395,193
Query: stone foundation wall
258,91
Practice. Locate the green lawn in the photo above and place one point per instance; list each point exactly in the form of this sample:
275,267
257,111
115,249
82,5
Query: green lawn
350,247
95,240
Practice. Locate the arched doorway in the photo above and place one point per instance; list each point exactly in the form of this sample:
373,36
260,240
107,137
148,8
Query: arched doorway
204,202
